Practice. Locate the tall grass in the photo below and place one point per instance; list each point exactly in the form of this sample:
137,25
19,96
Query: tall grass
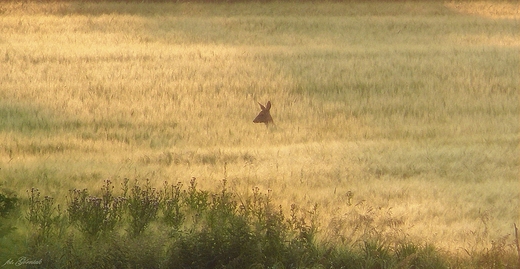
409,108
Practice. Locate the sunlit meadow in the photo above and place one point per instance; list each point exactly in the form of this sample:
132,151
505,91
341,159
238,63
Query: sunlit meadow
405,112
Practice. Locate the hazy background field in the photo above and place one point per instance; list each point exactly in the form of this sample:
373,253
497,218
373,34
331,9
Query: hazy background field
402,112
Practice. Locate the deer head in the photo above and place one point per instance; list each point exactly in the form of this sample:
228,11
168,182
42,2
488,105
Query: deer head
264,116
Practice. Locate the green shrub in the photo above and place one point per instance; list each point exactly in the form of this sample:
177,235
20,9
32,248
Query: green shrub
143,205
196,199
229,244
93,215
172,205
43,214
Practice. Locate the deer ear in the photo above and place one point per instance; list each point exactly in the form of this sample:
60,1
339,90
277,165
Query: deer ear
262,106
268,105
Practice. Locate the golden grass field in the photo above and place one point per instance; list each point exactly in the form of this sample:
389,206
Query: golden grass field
404,113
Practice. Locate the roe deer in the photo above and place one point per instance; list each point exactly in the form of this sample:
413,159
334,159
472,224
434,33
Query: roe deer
264,115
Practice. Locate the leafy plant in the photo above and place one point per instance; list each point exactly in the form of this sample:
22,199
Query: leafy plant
196,200
43,214
93,215
172,204
303,233
143,205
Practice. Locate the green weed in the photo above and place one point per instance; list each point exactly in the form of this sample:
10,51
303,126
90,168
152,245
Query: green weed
43,214
94,215
172,205
143,206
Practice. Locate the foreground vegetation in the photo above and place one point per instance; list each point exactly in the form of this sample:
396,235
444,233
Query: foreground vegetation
400,120
175,227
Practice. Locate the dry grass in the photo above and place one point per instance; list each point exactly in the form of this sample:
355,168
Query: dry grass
412,107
